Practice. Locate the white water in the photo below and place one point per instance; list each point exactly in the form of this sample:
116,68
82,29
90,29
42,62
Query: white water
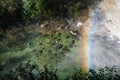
105,35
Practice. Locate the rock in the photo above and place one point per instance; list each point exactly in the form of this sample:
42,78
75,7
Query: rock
79,24
59,28
42,25
73,33
37,24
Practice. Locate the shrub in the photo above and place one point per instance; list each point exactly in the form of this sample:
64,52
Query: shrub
9,12
12,11
29,71
73,9
31,8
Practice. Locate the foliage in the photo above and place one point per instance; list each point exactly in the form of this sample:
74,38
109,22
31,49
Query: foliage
106,73
28,71
13,11
31,8
10,11
40,46
73,9
80,75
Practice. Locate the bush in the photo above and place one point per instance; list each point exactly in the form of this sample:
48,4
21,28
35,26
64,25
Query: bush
73,9
12,11
61,8
31,9
29,71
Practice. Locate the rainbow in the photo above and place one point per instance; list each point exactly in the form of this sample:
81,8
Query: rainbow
110,10
84,42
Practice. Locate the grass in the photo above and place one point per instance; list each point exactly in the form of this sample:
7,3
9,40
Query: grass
34,44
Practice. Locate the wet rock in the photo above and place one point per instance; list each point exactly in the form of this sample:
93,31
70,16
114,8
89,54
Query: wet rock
79,24
73,33
42,25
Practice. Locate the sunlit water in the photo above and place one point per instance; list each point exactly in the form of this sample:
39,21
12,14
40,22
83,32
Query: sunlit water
104,39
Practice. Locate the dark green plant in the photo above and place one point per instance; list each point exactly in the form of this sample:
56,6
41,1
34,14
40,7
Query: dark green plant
106,73
10,12
31,8
28,71
73,9
13,11
80,75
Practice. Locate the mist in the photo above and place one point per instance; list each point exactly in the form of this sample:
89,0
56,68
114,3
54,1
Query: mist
69,64
104,39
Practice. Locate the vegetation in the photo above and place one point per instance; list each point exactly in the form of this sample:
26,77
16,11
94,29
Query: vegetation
40,45
13,11
28,71
25,51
